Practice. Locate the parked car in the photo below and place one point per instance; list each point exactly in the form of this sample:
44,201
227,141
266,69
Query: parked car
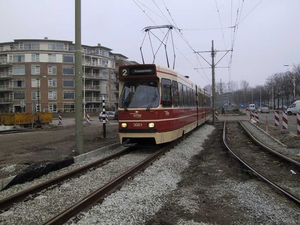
252,107
110,114
259,109
264,110
294,108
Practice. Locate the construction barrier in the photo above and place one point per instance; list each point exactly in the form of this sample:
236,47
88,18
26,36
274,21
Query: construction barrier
60,120
276,118
298,123
216,114
284,121
25,118
88,118
256,117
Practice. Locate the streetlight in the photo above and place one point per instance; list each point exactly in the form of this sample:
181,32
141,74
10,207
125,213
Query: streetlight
294,81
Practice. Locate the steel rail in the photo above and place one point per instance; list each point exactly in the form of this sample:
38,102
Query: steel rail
94,197
8,201
267,148
256,172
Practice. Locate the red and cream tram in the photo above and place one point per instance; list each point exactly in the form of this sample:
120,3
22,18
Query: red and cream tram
158,105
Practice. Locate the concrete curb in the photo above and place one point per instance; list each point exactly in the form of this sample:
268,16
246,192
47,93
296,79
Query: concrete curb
269,135
78,158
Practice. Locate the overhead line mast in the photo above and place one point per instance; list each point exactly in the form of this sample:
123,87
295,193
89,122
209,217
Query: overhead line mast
213,66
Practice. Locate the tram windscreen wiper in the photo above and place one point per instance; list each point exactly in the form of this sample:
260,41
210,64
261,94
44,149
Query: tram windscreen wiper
124,103
152,101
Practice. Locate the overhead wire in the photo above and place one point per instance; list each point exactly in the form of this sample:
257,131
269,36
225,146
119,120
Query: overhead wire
143,10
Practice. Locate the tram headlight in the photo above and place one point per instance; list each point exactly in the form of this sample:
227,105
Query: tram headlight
151,125
124,125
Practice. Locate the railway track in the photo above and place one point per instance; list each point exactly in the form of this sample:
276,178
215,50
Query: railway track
7,202
86,201
100,193
276,169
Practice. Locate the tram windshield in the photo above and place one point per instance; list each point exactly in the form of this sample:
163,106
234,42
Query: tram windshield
140,95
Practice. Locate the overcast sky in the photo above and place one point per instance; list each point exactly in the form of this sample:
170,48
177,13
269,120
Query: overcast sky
268,35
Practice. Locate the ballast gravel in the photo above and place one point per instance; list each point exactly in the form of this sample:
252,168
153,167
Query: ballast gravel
138,200
19,187
50,202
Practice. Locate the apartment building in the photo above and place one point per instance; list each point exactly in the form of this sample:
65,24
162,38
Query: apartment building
39,75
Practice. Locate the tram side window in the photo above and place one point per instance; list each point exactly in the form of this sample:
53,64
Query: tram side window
193,97
180,94
188,92
184,95
201,99
166,92
175,93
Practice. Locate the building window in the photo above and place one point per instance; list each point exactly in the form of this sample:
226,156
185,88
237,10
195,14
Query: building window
55,46
18,70
19,83
52,70
35,95
69,95
68,70
31,45
68,58
1,48
35,82
19,58
35,70
35,57
68,83
69,107
52,95
19,95
52,107
52,82
51,57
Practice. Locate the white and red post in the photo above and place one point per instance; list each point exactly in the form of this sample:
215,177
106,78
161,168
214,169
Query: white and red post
276,118
60,120
87,118
284,121
256,117
298,123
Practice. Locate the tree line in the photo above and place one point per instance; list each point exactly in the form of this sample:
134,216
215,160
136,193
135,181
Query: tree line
279,90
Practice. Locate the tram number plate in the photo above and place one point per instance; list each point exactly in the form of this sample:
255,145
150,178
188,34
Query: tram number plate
137,125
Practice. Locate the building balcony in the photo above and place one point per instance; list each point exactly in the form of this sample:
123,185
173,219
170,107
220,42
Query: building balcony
4,101
5,63
93,99
95,76
5,88
92,87
90,64
5,75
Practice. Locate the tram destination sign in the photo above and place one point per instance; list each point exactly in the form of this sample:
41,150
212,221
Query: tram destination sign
140,70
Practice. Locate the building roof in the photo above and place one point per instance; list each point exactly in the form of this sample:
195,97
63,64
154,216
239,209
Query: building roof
46,40
119,54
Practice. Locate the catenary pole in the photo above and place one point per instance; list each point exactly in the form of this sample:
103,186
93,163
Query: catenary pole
78,80
213,80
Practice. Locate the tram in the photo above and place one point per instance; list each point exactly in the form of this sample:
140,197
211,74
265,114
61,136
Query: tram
158,105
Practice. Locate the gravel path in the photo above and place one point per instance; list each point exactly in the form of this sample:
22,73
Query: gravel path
139,200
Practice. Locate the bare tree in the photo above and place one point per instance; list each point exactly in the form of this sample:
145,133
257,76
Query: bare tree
244,87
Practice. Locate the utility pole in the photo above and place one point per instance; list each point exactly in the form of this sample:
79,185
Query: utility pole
78,80
213,66
213,80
